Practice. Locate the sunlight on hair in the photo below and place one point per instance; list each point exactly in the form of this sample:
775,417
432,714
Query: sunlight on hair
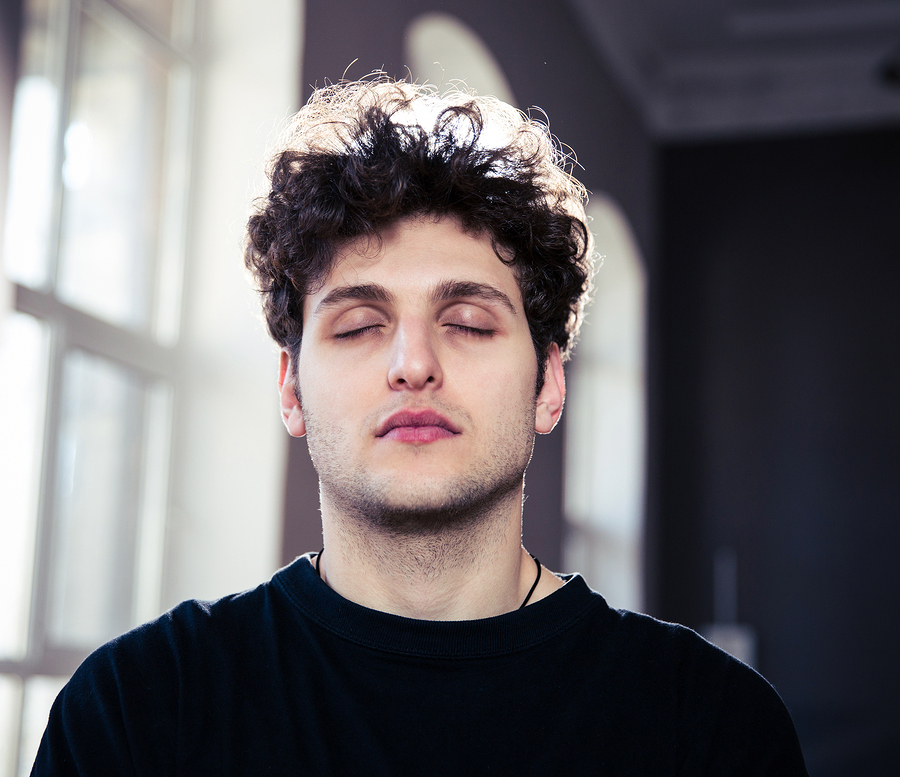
503,125
443,50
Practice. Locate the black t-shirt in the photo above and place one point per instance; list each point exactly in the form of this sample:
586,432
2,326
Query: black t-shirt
291,678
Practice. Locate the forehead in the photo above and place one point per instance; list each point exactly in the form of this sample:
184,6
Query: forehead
413,256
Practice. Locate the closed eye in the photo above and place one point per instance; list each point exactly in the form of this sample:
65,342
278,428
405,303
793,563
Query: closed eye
471,330
357,332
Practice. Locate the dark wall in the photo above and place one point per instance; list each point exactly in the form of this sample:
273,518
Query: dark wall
779,422
548,64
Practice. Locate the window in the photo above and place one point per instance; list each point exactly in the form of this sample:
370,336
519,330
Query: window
93,244
605,420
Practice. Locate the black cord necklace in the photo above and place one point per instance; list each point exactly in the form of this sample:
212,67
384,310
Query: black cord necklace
537,580
534,585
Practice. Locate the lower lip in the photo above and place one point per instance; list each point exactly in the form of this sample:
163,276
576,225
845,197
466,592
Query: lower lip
418,434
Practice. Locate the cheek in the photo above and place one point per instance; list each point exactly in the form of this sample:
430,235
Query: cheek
509,392
521,373
339,402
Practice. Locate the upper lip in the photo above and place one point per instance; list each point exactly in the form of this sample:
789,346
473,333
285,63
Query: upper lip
423,417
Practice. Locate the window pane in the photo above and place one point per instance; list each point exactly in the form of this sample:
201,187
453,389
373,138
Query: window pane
33,146
176,180
40,693
605,424
23,371
10,710
154,502
97,500
112,177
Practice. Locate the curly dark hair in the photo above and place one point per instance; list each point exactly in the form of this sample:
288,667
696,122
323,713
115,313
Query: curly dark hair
362,155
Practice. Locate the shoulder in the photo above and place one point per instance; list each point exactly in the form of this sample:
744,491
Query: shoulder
123,705
194,623
729,717
696,670
152,648
640,651
195,635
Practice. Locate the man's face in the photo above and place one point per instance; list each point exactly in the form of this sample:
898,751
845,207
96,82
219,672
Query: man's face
416,378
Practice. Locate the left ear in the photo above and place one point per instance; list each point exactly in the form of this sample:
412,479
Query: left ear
553,394
291,412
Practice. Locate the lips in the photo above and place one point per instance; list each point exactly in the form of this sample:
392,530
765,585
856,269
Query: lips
416,426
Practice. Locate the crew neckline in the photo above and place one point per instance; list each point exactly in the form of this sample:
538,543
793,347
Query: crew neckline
507,633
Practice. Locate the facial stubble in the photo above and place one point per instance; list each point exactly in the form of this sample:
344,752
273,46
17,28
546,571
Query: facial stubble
400,504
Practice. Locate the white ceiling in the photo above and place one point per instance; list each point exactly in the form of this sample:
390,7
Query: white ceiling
699,68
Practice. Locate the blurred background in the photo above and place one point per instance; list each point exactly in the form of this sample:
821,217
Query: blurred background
730,457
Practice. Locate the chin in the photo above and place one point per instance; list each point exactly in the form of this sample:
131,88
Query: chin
434,505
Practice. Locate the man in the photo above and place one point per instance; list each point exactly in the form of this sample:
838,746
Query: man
423,263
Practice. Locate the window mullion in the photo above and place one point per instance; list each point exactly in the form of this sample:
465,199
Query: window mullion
43,546
136,351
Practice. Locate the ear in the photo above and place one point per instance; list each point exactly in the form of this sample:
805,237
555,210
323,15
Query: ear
291,412
553,394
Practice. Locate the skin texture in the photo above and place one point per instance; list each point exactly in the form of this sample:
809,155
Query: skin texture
415,385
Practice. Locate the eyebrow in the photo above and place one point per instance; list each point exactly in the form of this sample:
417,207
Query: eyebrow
451,290
446,291
366,292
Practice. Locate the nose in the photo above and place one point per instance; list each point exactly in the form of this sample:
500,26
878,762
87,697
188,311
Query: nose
414,361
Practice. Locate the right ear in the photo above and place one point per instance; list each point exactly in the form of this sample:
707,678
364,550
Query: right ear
291,412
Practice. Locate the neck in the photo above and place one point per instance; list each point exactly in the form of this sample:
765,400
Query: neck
457,572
